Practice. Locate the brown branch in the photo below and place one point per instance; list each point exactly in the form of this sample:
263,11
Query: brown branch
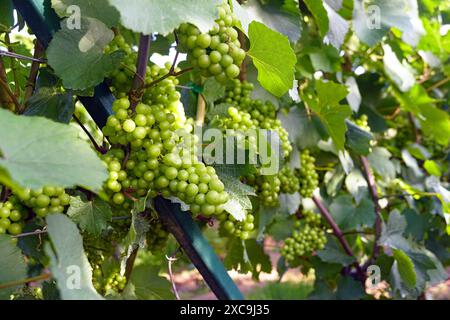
438,84
96,146
170,74
340,236
10,284
141,68
32,233
416,133
34,69
11,95
7,97
378,219
130,263
201,110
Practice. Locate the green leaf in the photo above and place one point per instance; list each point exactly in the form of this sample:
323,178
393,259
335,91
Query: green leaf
301,129
356,184
348,216
99,9
289,203
373,18
320,15
338,26
259,259
331,113
358,139
92,216
146,284
77,56
275,67
271,15
52,104
380,162
392,232
332,253
150,16
435,123
349,289
38,152
212,90
432,168
238,191
405,267
12,265
68,262
7,16
140,225
401,73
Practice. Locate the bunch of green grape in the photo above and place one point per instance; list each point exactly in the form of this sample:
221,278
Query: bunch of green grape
267,187
363,122
12,213
308,236
154,152
111,283
237,228
238,94
307,175
122,76
218,52
49,199
289,183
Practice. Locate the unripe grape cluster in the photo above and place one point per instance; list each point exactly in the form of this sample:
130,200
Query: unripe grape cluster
239,229
289,183
156,237
49,199
307,175
363,122
12,213
218,52
113,282
267,187
238,93
307,237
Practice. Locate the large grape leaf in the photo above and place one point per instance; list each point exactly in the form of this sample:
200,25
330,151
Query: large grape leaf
51,103
338,26
373,18
12,265
272,15
400,72
275,67
350,216
405,267
332,253
380,162
150,16
146,284
68,262
92,216
358,139
99,9
36,152
77,55
331,113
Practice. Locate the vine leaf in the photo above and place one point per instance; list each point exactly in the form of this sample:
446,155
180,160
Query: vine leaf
245,256
146,284
349,216
67,161
12,265
373,18
401,73
77,55
358,139
289,203
275,67
405,268
92,216
7,17
320,15
332,253
52,104
380,162
356,184
68,262
275,17
150,16
239,192
331,113
99,9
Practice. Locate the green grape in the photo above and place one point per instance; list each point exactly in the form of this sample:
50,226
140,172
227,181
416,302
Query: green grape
241,229
307,237
12,215
289,183
307,175
218,52
49,199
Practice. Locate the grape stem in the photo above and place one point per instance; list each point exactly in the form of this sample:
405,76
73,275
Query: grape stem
141,68
13,65
96,146
170,74
6,92
338,233
34,69
15,283
378,219
22,57
5,194
32,233
170,261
